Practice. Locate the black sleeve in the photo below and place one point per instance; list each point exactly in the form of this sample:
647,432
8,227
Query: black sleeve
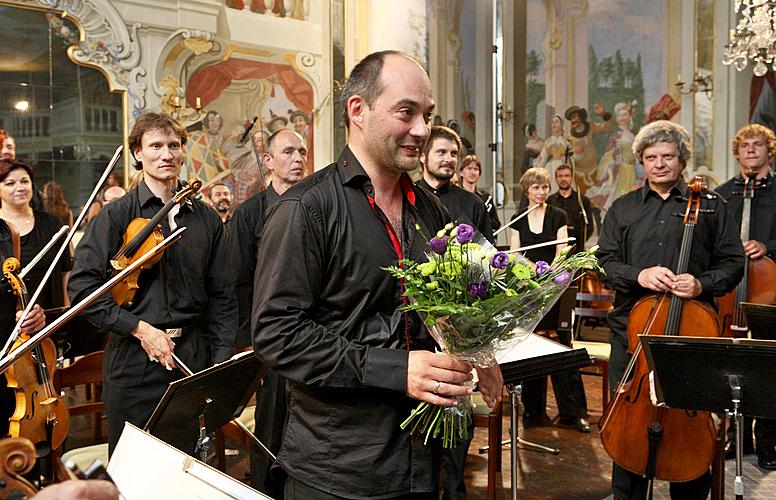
221,310
243,246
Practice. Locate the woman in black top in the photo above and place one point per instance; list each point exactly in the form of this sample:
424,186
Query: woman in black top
36,229
547,223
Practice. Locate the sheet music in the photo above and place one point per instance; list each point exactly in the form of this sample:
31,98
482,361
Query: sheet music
528,347
144,467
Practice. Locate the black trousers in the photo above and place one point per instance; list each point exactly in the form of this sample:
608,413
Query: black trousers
568,388
296,490
270,418
133,385
630,486
453,463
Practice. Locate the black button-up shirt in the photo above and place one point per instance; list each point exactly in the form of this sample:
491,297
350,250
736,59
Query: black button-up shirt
641,231
191,286
326,318
463,206
245,234
762,222
576,227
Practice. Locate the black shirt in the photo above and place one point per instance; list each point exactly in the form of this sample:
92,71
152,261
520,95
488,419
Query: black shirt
490,206
326,318
641,231
46,226
762,222
577,227
245,232
8,300
554,219
463,206
192,284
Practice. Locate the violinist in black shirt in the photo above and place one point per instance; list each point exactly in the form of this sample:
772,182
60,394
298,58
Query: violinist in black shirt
186,302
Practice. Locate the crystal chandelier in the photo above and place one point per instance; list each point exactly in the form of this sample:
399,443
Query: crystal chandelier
754,36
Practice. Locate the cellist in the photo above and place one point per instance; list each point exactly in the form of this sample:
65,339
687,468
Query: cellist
754,147
185,303
639,247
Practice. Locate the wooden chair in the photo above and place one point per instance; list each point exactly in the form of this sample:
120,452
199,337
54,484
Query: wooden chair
87,372
594,306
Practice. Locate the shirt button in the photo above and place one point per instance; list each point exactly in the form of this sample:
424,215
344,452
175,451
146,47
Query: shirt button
661,221
660,244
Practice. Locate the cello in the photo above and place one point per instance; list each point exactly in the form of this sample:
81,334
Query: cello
657,442
757,285
40,414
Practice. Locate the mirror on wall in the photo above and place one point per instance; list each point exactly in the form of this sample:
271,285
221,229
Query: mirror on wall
66,121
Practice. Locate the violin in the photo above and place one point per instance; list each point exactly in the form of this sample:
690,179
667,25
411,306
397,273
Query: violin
17,457
141,236
40,414
759,276
669,444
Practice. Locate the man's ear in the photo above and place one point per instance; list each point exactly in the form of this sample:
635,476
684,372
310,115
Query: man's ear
356,107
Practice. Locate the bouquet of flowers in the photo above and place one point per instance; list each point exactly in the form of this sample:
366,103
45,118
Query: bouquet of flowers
473,297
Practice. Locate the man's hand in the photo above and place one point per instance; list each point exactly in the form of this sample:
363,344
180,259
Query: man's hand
34,322
93,489
436,378
156,343
491,384
686,286
754,249
657,279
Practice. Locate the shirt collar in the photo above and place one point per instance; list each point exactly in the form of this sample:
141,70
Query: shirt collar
679,189
146,196
443,189
353,174
271,195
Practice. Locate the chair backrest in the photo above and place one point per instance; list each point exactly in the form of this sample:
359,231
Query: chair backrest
84,371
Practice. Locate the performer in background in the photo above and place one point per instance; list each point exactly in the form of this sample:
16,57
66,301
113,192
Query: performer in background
580,224
186,301
221,197
543,224
471,169
286,158
36,228
329,320
754,147
640,242
440,159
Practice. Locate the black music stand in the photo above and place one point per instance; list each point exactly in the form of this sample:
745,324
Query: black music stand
760,318
715,375
201,403
535,357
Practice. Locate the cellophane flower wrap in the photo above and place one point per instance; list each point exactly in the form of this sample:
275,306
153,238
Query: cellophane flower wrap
472,298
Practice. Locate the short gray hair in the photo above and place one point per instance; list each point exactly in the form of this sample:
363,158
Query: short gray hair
663,131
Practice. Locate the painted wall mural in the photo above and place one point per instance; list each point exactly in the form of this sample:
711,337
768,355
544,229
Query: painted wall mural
625,89
233,92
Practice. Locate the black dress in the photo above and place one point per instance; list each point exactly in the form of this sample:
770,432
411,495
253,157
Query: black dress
7,322
46,225
569,392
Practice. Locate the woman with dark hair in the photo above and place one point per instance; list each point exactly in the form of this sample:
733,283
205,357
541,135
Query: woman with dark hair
36,228
54,202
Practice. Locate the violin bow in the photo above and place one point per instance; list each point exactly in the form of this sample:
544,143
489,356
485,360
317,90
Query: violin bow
34,340
34,298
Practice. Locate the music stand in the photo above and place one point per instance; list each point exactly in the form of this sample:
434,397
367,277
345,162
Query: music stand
760,318
715,375
201,403
528,359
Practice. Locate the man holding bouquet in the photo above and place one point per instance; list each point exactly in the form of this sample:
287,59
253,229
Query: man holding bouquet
328,319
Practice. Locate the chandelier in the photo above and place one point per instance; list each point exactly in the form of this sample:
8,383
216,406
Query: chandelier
754,36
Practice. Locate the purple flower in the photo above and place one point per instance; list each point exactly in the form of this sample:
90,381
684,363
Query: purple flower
500,260
541,267
438,245
562,278
465,233
478,290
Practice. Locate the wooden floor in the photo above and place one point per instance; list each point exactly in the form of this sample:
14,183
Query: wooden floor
582,470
